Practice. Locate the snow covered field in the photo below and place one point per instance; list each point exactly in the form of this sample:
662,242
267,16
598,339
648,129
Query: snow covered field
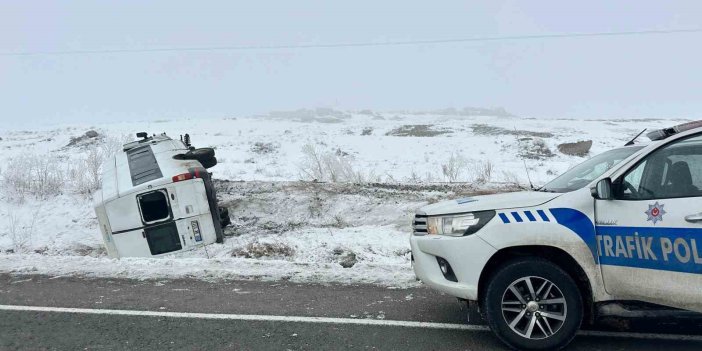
286,227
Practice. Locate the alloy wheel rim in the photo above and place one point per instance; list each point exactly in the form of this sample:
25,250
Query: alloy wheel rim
534,307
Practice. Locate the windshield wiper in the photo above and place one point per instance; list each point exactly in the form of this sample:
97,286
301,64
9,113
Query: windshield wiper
542,189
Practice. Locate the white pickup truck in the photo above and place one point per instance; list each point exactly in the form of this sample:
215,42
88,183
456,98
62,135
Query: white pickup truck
624,226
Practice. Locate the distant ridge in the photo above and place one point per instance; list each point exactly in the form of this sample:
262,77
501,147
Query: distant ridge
466,111
327,114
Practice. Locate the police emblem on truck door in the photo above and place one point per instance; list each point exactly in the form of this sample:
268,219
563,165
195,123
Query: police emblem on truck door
655,212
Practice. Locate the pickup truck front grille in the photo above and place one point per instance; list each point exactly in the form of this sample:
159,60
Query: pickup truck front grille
419,226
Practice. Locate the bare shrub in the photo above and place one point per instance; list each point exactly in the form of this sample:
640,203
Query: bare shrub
339,168
316,205
511,178
312,166
429,177
85,175
416,178
454,167
21,234
369,177
33,175
262,148
328,166
482,172
111,145
44,176
534,148
338,222
367,131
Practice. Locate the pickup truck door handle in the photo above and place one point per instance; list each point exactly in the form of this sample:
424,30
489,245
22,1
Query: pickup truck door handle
693,218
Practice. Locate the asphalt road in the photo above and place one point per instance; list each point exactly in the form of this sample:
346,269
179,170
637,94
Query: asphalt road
107,314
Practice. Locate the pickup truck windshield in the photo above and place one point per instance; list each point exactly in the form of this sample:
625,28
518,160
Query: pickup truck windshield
584,173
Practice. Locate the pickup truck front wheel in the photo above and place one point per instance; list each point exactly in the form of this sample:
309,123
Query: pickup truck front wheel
532,304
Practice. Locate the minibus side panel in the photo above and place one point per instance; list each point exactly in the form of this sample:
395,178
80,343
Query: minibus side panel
132,244
189,199
207,229
124,213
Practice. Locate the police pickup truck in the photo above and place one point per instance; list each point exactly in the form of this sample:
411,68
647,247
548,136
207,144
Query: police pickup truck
623,227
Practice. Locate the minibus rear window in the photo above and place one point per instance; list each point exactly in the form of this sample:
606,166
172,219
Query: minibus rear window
154,206
163,238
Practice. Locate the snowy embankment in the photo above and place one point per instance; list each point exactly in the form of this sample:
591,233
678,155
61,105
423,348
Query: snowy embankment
297,231
285,228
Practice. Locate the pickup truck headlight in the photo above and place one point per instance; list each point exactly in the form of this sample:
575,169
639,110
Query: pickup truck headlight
460,224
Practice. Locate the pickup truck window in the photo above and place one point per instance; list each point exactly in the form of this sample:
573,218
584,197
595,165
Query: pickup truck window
584,173
672,171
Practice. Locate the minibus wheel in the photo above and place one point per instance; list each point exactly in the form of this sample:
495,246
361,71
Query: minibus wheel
533,304
203,153
209,163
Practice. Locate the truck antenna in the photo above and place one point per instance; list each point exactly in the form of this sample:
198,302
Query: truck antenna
631,142
531,185
519,145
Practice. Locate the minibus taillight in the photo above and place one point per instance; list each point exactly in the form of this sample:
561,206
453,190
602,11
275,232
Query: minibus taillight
193,173
182,177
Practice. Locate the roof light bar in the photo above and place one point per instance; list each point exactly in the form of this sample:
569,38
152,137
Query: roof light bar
666,132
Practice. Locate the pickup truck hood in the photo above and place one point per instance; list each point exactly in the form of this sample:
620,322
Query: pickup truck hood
489,202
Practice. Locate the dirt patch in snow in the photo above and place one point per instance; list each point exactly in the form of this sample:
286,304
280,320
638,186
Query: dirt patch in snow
417,130
580,148
264,249
484,129
90,137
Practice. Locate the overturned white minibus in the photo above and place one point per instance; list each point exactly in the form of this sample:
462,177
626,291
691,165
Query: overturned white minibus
158,198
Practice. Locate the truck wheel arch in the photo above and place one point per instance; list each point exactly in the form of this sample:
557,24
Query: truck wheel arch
553,254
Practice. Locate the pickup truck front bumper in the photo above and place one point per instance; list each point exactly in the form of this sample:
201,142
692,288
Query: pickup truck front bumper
466,255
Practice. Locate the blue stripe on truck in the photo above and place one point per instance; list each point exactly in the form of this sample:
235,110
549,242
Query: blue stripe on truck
517,217
530,216
543,215
504,218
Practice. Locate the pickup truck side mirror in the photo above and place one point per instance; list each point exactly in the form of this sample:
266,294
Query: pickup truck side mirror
602,190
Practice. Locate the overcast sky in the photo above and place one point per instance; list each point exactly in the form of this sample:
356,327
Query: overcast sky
623,76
